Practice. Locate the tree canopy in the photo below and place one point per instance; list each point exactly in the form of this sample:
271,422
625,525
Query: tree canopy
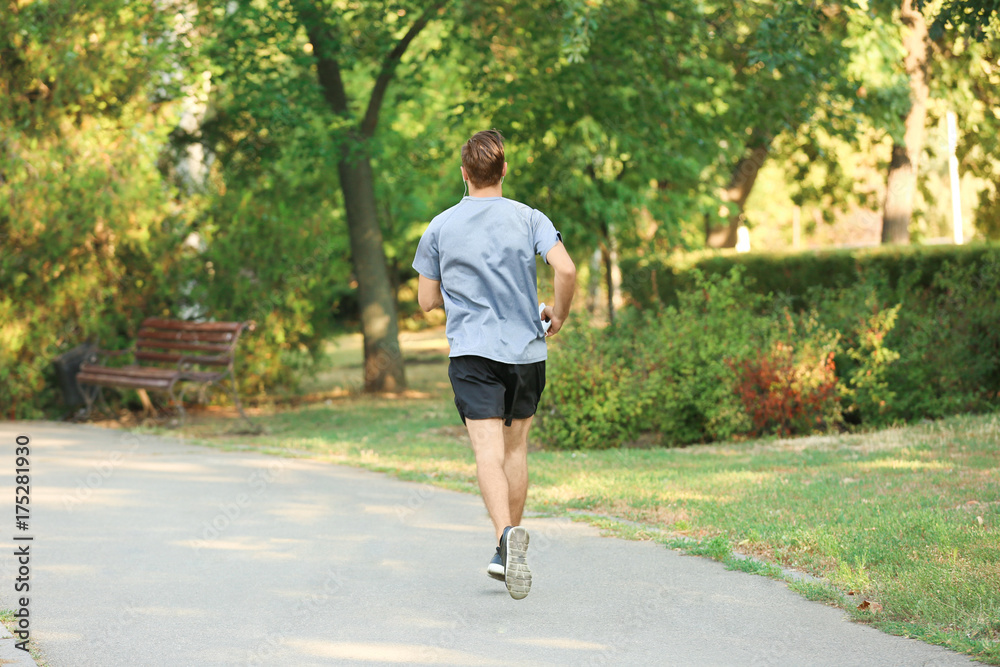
277,161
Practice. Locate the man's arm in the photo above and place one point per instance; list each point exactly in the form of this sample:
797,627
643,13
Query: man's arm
565,286
429,294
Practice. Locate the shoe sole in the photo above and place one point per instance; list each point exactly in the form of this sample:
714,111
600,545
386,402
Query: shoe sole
495,571
517,576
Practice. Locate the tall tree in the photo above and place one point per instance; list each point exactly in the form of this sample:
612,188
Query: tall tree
902,182
788,71
329,26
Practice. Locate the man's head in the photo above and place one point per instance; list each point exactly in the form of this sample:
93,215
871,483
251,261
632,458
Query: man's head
483,160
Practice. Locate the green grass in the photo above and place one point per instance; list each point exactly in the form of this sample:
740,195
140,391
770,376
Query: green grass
908,519
7,618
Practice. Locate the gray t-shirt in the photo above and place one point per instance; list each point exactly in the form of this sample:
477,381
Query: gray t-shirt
483,252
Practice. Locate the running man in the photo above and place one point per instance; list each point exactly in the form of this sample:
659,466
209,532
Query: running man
477,260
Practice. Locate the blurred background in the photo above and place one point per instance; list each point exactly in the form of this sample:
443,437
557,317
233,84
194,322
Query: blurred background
278,160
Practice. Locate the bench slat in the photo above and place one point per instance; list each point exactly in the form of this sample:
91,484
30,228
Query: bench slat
132,371
180,325
107,380
174,358
173,345
188,336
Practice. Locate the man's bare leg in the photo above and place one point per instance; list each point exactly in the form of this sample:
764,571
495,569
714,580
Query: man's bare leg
502,470
489,447
515,466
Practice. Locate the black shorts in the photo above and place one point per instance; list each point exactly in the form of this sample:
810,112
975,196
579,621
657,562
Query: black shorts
487,389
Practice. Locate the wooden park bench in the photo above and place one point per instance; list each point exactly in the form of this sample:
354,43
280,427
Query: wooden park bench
168,355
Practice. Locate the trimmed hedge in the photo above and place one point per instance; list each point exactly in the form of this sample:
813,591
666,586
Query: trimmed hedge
651,280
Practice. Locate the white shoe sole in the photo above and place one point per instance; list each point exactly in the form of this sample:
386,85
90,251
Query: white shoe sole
495,572
517,576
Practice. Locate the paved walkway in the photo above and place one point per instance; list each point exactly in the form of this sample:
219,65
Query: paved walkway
150,552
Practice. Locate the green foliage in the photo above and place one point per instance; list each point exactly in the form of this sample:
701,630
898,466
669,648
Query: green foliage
295,112
716,548
271,244
594,396
863,320
290,287
948,342
716,324
978,16
909,330
105,252
89,232
691,373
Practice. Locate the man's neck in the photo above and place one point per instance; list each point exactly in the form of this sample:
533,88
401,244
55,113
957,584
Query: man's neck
491,191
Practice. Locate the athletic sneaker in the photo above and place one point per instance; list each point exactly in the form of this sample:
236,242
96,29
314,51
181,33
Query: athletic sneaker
513,547
495,568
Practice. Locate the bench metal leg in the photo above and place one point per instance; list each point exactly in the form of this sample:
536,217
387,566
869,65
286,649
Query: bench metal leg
178,402
92,394
239,406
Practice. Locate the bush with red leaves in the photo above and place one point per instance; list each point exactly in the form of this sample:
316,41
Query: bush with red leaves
784,396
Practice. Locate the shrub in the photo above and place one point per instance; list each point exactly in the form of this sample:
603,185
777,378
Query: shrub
785,398
718,320
593,397
85,247
682,373
726,360
949,343
917,325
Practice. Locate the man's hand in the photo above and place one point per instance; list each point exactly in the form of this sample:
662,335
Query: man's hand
555,324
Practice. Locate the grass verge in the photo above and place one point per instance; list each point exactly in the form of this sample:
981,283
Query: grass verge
9,622
904,523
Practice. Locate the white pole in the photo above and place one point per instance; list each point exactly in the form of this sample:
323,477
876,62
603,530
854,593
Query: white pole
796,227
956,184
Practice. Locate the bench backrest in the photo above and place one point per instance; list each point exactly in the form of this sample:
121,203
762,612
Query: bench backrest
204,343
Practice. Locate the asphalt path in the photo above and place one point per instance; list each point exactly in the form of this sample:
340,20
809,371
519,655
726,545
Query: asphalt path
150,551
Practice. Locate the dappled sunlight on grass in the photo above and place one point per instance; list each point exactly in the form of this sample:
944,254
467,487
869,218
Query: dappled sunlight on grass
898,464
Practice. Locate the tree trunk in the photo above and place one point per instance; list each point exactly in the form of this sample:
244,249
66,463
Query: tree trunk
901,186
740,184
594,281
612,274
384,370
383,359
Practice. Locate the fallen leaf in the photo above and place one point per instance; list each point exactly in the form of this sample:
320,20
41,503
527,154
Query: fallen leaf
870,606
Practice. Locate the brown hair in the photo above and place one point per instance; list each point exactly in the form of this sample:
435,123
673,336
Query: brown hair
482,157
